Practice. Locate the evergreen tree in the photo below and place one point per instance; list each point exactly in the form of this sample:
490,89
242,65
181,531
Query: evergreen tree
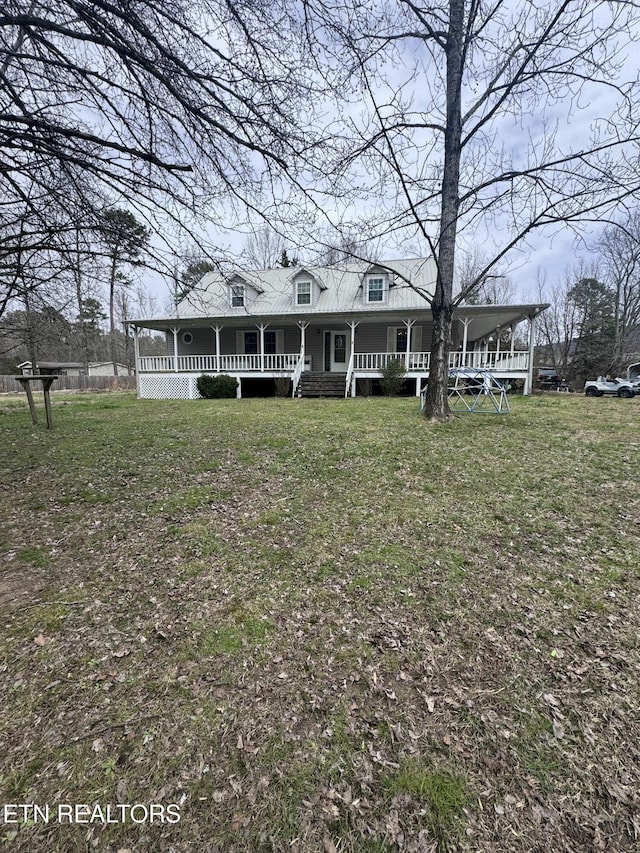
124,239
191,276
594,304
286,261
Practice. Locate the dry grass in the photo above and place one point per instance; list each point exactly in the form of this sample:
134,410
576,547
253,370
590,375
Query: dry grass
322,625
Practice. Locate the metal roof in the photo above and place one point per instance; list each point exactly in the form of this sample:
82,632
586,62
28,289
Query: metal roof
271,292
270,295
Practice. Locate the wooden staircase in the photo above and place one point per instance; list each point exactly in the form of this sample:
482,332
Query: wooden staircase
322,384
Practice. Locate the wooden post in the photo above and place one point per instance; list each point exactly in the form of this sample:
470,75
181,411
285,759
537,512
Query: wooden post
46,385
47,381
32,406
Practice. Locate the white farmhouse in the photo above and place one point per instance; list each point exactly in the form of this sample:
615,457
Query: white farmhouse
325,329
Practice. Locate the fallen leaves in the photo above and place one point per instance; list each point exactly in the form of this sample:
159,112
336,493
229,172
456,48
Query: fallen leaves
404,622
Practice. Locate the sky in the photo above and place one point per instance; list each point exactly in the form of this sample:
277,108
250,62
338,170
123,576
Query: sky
549,255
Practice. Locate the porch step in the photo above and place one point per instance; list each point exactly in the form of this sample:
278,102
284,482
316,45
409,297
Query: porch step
322,384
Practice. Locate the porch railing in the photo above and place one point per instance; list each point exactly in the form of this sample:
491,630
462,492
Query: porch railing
347,383
156,363
359,362
297,373
498,361
213,363
419,361
188,363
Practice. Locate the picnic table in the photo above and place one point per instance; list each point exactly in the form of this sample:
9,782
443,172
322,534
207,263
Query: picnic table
47,380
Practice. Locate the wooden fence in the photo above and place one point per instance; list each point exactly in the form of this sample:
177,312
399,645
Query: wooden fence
8,384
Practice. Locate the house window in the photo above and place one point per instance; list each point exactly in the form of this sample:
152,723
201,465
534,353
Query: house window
401,339
270,342
237,295
375,289
303,293
251,343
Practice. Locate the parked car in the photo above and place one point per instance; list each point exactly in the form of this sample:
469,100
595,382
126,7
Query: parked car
548,377
615,387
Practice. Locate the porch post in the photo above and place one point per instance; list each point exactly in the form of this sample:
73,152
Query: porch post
497,344
465,334
302,325
513,339
175,348
136,355
353,324
409,324
217,330
262,327
528,385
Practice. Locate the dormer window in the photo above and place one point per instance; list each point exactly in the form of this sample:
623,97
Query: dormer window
303,293
237,295
376,289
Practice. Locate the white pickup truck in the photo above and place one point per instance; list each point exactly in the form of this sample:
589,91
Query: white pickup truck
615,387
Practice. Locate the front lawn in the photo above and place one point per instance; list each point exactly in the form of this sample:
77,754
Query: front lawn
319,625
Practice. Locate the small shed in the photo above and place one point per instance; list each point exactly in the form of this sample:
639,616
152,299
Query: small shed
72,368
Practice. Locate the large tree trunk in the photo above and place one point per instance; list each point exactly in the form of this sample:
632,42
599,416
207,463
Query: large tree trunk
436,403
30,332
84,342
112,316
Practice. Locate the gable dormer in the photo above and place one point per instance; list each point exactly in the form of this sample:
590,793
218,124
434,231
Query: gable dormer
240,291
376,282
306,288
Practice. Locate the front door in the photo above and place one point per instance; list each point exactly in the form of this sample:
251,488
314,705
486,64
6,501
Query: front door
336,351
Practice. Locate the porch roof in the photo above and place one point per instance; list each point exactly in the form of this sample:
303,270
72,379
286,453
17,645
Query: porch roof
484,319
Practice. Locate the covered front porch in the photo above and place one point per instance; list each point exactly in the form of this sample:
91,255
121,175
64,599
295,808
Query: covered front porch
284,349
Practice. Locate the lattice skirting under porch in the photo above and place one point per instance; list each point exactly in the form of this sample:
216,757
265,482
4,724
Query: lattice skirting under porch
168,386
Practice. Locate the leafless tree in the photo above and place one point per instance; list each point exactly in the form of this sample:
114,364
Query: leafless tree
619,253
83,275
179,108
558,325
469,125
33,241
123,307
494,288
264,246
344,244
